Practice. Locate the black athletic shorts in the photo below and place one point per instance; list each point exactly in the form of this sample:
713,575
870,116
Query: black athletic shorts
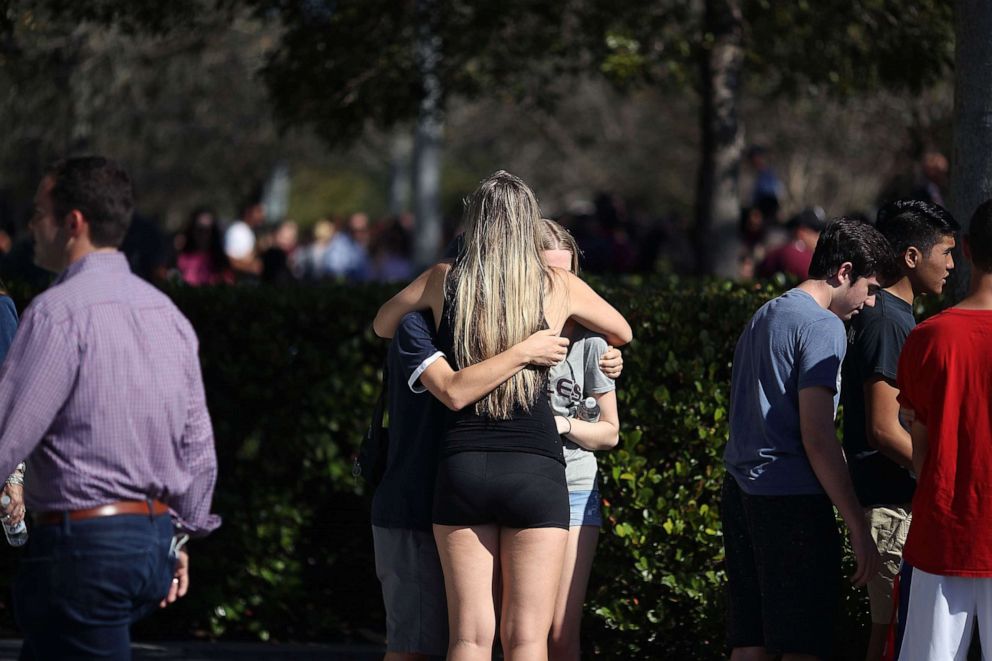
511,489
783,570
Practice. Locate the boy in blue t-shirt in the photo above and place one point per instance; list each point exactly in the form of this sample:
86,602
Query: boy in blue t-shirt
785,467
406,557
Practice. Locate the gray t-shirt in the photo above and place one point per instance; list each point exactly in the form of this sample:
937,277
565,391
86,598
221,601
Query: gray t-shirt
790,343
569,382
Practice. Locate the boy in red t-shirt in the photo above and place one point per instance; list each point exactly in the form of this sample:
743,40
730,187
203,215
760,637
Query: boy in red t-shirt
945,381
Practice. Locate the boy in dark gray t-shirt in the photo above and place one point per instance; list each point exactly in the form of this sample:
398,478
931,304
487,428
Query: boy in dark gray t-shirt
785,467
877,442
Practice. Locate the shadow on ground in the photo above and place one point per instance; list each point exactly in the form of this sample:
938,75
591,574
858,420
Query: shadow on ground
177,651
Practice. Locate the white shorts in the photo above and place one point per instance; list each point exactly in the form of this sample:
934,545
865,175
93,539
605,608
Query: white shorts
941,617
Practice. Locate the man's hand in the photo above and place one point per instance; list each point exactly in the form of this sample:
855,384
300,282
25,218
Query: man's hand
866,555
545,348
14,512
611,363
906,418
180,580
816,420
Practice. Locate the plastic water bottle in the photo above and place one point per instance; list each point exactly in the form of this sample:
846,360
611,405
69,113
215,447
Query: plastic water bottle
589,410
16,535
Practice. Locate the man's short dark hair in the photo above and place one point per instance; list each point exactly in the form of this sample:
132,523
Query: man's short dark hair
854,241
915,223
980,237
100,190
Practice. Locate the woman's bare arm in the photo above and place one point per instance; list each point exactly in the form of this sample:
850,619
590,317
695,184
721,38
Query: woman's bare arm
590,309
421,294
458,389
602,434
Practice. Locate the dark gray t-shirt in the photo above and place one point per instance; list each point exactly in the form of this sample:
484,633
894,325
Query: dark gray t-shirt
875,342
790,343
569,382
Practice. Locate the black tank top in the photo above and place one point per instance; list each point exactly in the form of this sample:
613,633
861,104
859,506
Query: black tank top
532,431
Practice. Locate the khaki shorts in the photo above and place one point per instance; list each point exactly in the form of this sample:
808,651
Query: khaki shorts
889,527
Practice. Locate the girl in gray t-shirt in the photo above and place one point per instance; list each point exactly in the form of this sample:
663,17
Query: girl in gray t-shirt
569,383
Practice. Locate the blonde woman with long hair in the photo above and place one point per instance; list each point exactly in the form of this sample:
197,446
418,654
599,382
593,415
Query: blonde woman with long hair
500,495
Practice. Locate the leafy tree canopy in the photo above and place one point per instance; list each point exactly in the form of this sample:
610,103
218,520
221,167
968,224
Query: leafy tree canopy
342,64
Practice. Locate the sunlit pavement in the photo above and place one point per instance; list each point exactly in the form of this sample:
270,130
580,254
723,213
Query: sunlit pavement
174,651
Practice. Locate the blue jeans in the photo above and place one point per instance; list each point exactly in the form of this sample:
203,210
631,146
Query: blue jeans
83,583
584,508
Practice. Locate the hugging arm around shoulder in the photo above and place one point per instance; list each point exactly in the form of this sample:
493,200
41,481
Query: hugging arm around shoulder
415,296
423,366
458,389
592,311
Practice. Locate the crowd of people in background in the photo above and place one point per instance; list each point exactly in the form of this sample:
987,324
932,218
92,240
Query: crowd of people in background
347,248
353,248
773,242
776,236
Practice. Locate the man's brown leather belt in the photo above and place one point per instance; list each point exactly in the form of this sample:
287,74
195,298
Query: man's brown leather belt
110,509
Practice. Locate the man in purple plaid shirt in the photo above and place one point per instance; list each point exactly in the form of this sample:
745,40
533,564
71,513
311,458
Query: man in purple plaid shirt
102,392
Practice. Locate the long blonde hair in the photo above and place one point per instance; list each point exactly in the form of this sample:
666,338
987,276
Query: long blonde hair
556,237
497,286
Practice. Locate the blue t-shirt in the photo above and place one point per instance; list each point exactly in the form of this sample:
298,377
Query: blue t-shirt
8,324
416,428
790,343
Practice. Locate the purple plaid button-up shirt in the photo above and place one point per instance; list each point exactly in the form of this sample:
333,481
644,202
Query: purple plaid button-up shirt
102,392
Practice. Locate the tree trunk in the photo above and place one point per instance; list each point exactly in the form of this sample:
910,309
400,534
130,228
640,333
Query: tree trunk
717,195
971,163
427,141
400,153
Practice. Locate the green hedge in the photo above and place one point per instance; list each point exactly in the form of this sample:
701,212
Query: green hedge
291,376
657,587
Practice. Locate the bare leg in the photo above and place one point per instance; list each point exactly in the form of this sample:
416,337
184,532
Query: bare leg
468,555
531,560
567,623
876,643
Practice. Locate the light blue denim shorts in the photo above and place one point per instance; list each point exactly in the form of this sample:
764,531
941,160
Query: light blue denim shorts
584,508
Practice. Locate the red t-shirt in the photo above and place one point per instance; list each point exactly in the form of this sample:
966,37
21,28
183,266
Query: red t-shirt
793,258
945,376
